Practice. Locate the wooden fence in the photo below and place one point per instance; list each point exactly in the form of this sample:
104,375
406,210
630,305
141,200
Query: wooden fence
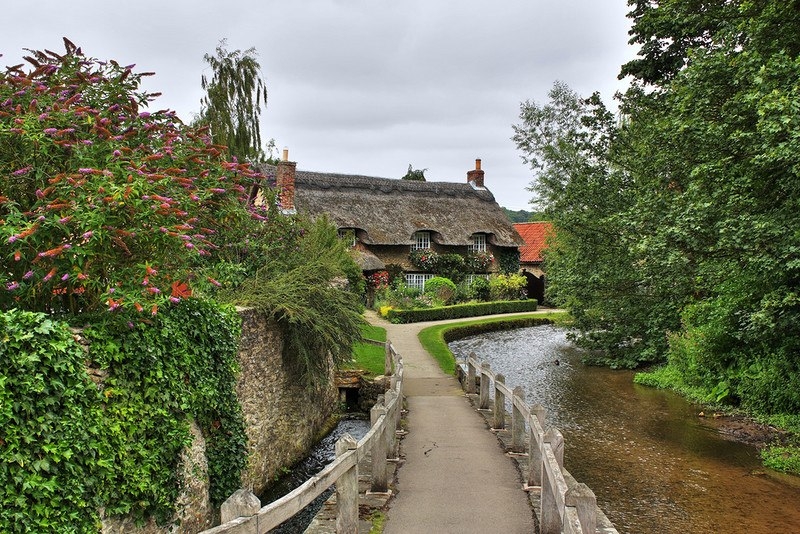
571,509
380,442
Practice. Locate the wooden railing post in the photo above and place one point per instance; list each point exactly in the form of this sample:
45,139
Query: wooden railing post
556,440
517,422
471,374
392,406
387,359
499,419
347,490
378,481
550,517
582,498
536,423
483,404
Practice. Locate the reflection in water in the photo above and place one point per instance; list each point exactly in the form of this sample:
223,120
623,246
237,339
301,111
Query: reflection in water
652,463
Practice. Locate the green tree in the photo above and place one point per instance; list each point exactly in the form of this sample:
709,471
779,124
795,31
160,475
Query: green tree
231,108
713,142
594,266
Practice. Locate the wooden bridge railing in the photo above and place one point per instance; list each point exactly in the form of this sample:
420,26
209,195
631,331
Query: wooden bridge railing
380,442
564,508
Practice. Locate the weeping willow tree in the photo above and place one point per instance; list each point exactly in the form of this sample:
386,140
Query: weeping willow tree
235,95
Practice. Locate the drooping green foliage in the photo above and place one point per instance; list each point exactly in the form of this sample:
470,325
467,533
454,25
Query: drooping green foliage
231,108
678,224
314,296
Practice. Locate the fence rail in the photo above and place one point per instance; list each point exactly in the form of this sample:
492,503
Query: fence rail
380,442
569,508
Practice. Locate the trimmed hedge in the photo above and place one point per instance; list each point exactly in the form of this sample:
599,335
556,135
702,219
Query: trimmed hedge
460,332
460,311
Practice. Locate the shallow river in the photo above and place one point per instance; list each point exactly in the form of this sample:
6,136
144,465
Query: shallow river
654,465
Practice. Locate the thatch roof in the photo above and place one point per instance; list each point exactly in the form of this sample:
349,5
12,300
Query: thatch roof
390,211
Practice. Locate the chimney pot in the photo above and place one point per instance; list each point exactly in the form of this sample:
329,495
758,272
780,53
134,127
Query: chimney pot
475,177
285,182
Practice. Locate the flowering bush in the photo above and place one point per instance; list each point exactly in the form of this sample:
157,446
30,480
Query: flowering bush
378,280
104,205
423,259
480,262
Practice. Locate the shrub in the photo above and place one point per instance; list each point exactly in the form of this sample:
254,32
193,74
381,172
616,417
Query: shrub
460,310
442,289
507,286
105,205
423,259
479,289
452,266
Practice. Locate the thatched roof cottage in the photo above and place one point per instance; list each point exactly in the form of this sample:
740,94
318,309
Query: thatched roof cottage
388,219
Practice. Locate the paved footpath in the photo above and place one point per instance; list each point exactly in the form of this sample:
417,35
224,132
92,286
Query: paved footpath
456,477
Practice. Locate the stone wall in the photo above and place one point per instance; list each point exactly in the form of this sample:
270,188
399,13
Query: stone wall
282,418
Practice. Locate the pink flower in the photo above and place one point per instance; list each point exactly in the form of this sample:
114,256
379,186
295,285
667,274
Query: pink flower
27,275
65,277
87,235
12,286
174,300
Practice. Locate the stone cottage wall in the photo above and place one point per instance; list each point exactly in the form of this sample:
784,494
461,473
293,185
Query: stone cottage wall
282,418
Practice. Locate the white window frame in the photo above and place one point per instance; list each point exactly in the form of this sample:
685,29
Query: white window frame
417,280
478,243
422,240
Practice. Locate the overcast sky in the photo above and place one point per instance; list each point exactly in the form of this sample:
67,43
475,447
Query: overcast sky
360,86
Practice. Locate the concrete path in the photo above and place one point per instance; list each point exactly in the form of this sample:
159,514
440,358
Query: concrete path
455,478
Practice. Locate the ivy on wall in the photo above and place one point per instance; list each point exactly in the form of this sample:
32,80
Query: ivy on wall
69,447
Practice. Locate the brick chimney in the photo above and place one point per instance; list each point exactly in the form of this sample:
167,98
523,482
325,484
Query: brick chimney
475,177
285,182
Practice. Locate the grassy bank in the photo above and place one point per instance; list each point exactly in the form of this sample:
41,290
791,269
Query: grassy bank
783,455
369,356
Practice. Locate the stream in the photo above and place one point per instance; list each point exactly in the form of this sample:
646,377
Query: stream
321,455
653,463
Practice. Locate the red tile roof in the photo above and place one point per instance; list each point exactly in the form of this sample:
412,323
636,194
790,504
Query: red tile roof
535,236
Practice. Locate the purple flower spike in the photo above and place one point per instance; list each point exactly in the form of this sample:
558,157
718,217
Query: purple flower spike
27,275
12,286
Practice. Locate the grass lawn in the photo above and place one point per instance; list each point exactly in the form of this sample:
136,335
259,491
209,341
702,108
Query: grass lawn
432,338
367,356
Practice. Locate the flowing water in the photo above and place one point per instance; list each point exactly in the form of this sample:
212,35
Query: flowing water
654,465
321,455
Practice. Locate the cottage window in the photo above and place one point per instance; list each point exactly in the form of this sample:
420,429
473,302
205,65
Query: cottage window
417,281
478,243
421,240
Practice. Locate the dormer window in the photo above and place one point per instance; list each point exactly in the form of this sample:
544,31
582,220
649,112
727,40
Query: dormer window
478,243
421,240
